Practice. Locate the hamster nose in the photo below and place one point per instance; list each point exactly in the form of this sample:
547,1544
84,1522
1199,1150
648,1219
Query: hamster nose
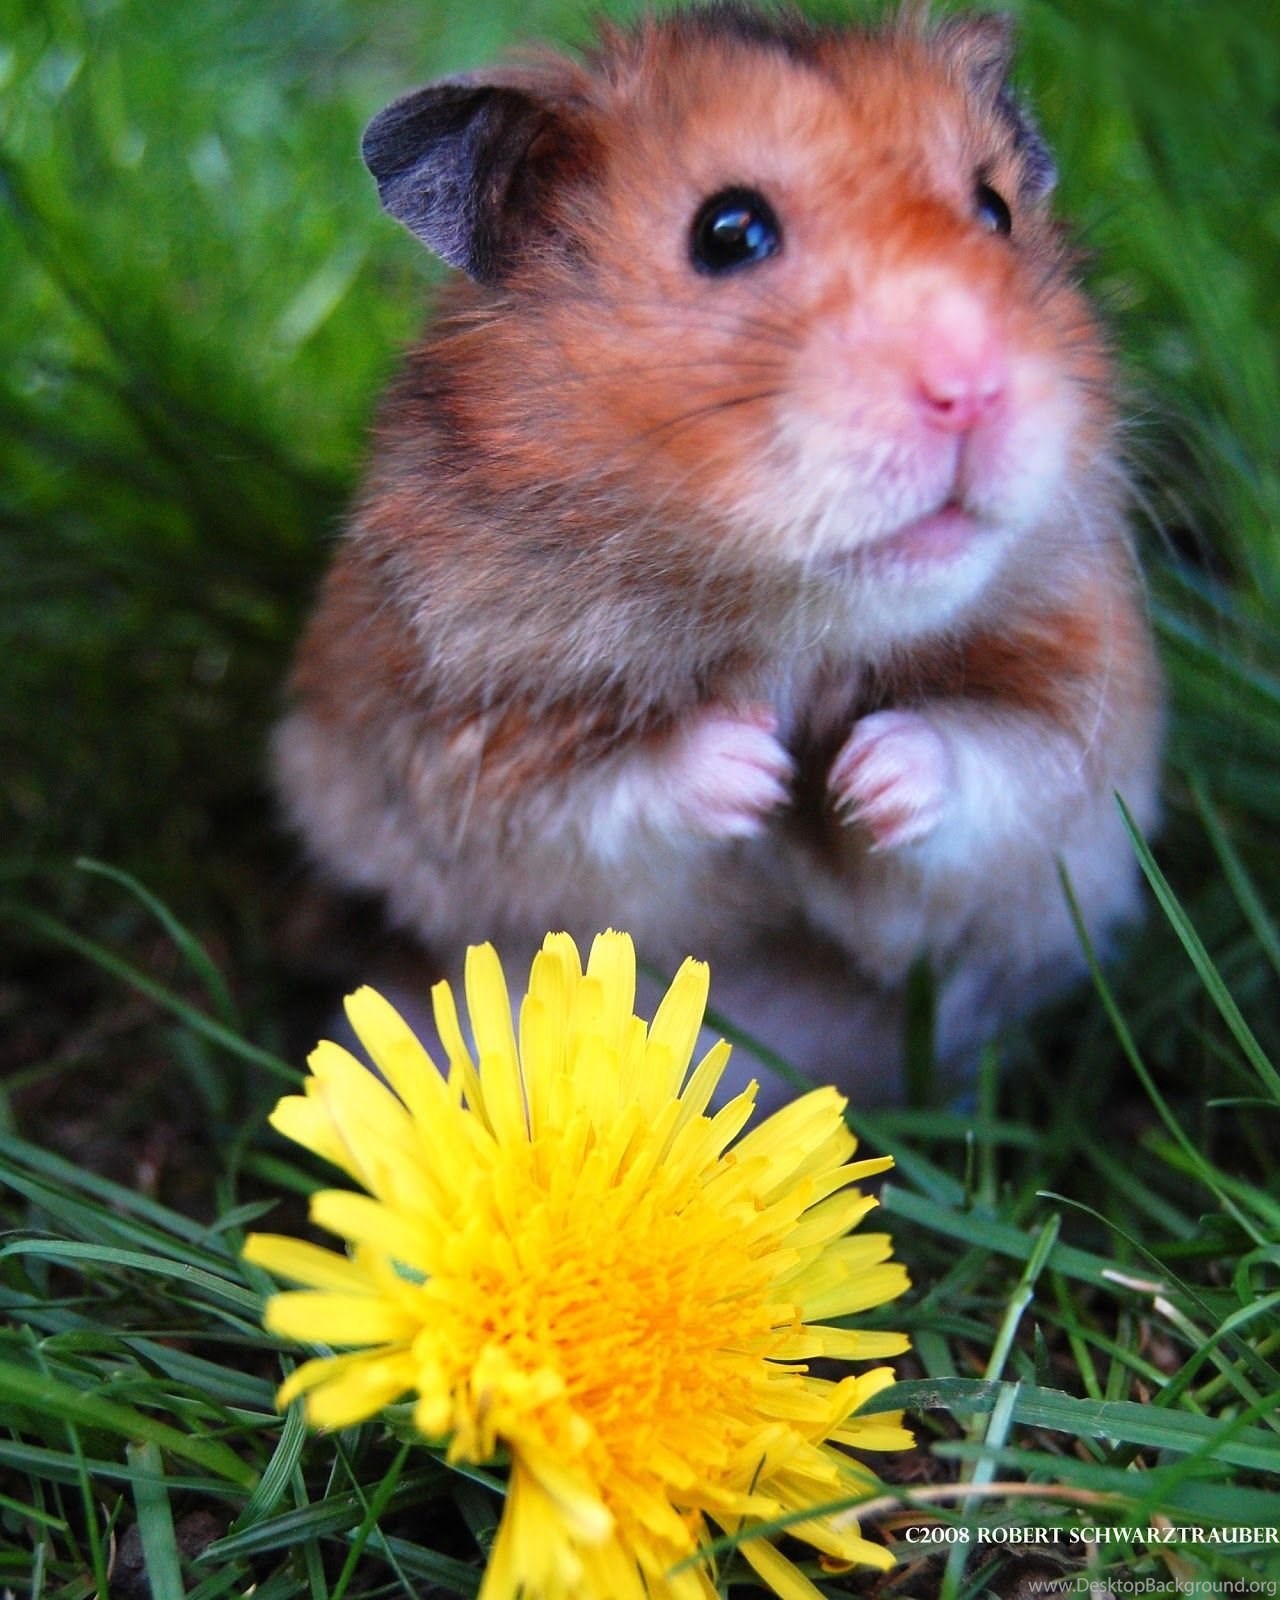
961,371
957,400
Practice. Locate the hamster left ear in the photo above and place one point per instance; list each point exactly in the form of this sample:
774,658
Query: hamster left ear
981,45
453,163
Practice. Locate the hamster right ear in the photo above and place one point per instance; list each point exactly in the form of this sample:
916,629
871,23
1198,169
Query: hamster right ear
448,161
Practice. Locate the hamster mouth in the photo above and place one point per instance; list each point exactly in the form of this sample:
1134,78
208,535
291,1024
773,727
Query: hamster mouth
940,537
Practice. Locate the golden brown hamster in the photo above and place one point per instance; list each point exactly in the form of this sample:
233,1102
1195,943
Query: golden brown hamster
743,556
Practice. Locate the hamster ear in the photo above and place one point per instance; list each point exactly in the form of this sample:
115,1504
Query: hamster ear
448,162
981,45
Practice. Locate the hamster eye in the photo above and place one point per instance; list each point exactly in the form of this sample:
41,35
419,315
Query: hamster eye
991,210
735,228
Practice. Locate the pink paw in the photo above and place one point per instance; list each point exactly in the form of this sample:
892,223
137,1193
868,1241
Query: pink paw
893,777
727,772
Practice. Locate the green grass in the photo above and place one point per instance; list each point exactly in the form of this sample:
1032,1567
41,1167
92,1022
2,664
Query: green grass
200,304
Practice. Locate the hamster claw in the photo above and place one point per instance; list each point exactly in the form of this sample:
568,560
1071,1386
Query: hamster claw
728,773
894,778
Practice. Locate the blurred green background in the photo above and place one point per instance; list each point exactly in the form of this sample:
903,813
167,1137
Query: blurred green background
201,301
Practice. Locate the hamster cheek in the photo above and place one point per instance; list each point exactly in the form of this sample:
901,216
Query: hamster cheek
1017,470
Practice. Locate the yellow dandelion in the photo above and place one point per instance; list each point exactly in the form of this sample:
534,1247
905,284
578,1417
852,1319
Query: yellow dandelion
561,1254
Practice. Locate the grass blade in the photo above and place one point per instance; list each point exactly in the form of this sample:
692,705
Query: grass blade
1126,1421
989,1234
1200,958
197,957
21,1386
155,1524
50,928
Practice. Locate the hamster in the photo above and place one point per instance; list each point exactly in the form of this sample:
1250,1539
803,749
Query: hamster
743,557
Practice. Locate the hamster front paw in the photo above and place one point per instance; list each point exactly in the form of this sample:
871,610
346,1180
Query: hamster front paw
894,777
724,772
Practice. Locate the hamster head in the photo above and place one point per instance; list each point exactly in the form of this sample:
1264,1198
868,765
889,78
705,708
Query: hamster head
789,292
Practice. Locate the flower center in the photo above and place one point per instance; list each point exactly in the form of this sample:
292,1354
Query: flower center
644,1306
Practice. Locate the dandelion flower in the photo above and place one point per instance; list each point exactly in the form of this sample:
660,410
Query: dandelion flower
560,1254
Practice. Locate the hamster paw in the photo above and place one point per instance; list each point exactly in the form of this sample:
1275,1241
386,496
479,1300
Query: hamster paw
893,777
726,772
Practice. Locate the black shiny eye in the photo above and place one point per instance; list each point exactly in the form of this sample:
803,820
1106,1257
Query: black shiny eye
735,228
991,210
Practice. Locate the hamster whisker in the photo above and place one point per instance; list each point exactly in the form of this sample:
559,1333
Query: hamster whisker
769,331
710,409
656,370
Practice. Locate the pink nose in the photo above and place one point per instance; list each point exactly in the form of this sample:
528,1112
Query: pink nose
961,372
